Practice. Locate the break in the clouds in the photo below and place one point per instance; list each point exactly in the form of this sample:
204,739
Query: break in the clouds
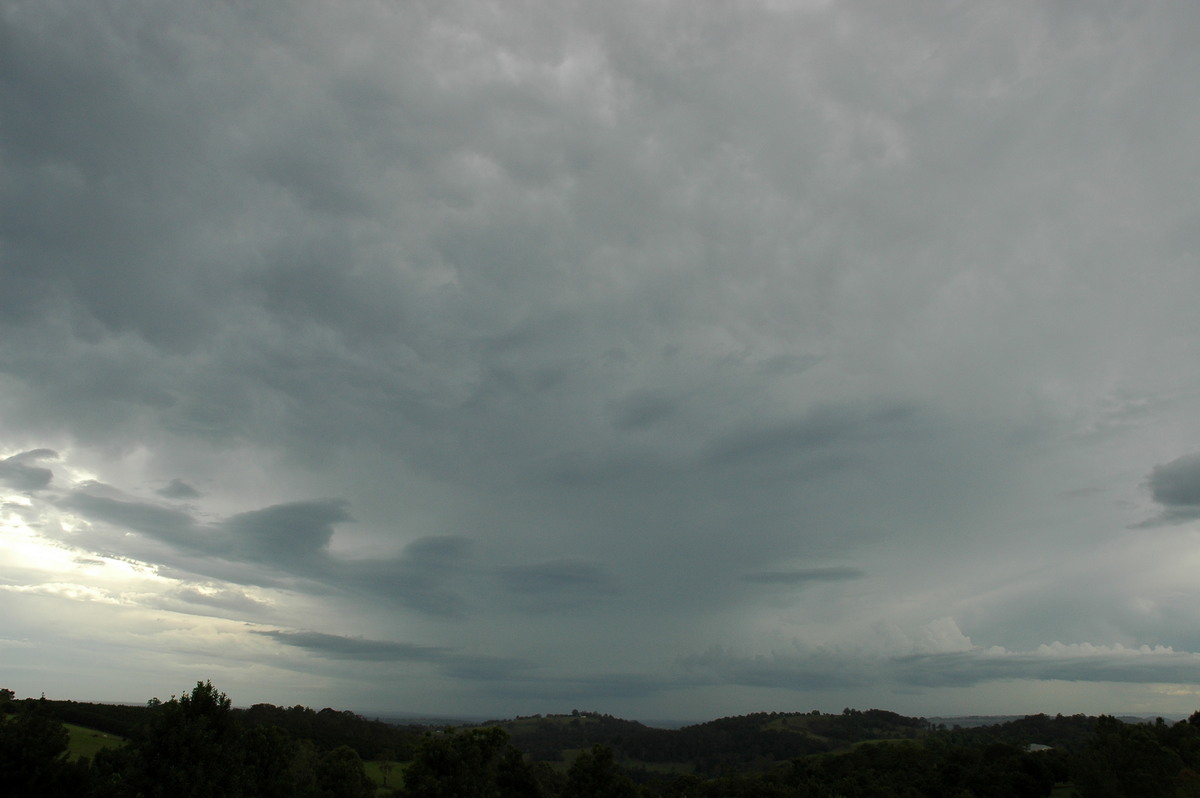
669,361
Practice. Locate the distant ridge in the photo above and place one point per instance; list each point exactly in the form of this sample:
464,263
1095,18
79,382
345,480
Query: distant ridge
976,721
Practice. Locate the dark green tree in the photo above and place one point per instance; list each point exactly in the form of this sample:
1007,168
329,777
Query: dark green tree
387,763
594,774
33,754
1127,760
477,763
276,764
192,747
341,774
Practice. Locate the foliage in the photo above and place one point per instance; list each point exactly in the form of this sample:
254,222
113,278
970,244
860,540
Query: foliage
198,745
330,728
594,774
340,774
191,748
477,762
755,742
1068,733
1138,759
277,765
33,754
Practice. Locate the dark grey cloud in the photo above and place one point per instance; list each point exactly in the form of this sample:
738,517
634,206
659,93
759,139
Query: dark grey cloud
609,312
296,534
178,489
803,576
69,204
1178,482
17,473
823,429
817,670
424,577
1059,663
834,670
164,524
453,663
292,537
557,584
1176,486
287,539
339,647
436,553
642,409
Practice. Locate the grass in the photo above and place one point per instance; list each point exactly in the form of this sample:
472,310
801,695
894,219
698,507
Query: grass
87,742
395,777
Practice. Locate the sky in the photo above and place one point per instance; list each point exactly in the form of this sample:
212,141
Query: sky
667,359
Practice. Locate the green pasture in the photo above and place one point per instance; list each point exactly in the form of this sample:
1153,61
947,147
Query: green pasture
395,776
87,742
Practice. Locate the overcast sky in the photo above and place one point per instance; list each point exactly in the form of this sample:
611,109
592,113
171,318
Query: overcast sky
663,359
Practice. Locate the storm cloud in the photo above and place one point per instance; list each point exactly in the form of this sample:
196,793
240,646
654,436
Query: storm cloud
803,576
1176,486
670,361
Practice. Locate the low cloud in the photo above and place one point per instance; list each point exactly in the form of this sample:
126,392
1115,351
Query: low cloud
173,527
826,669
822,429
17,473
422,578
662,310
1175,486
557,585
1057,661
296,534
291,539
220,598
587,687
642,409
451,662
803,576
338,647
178,489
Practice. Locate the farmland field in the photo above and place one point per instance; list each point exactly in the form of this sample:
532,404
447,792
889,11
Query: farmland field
86,742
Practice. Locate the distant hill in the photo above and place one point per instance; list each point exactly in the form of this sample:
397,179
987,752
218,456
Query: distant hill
973,721
871,753
759,742
755,742
326,728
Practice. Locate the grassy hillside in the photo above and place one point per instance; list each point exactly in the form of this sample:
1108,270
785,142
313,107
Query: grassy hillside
86,742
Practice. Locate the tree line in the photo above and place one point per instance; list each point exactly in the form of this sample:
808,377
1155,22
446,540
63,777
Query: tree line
199,745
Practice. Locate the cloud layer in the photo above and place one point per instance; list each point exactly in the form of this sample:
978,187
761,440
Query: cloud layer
670,360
